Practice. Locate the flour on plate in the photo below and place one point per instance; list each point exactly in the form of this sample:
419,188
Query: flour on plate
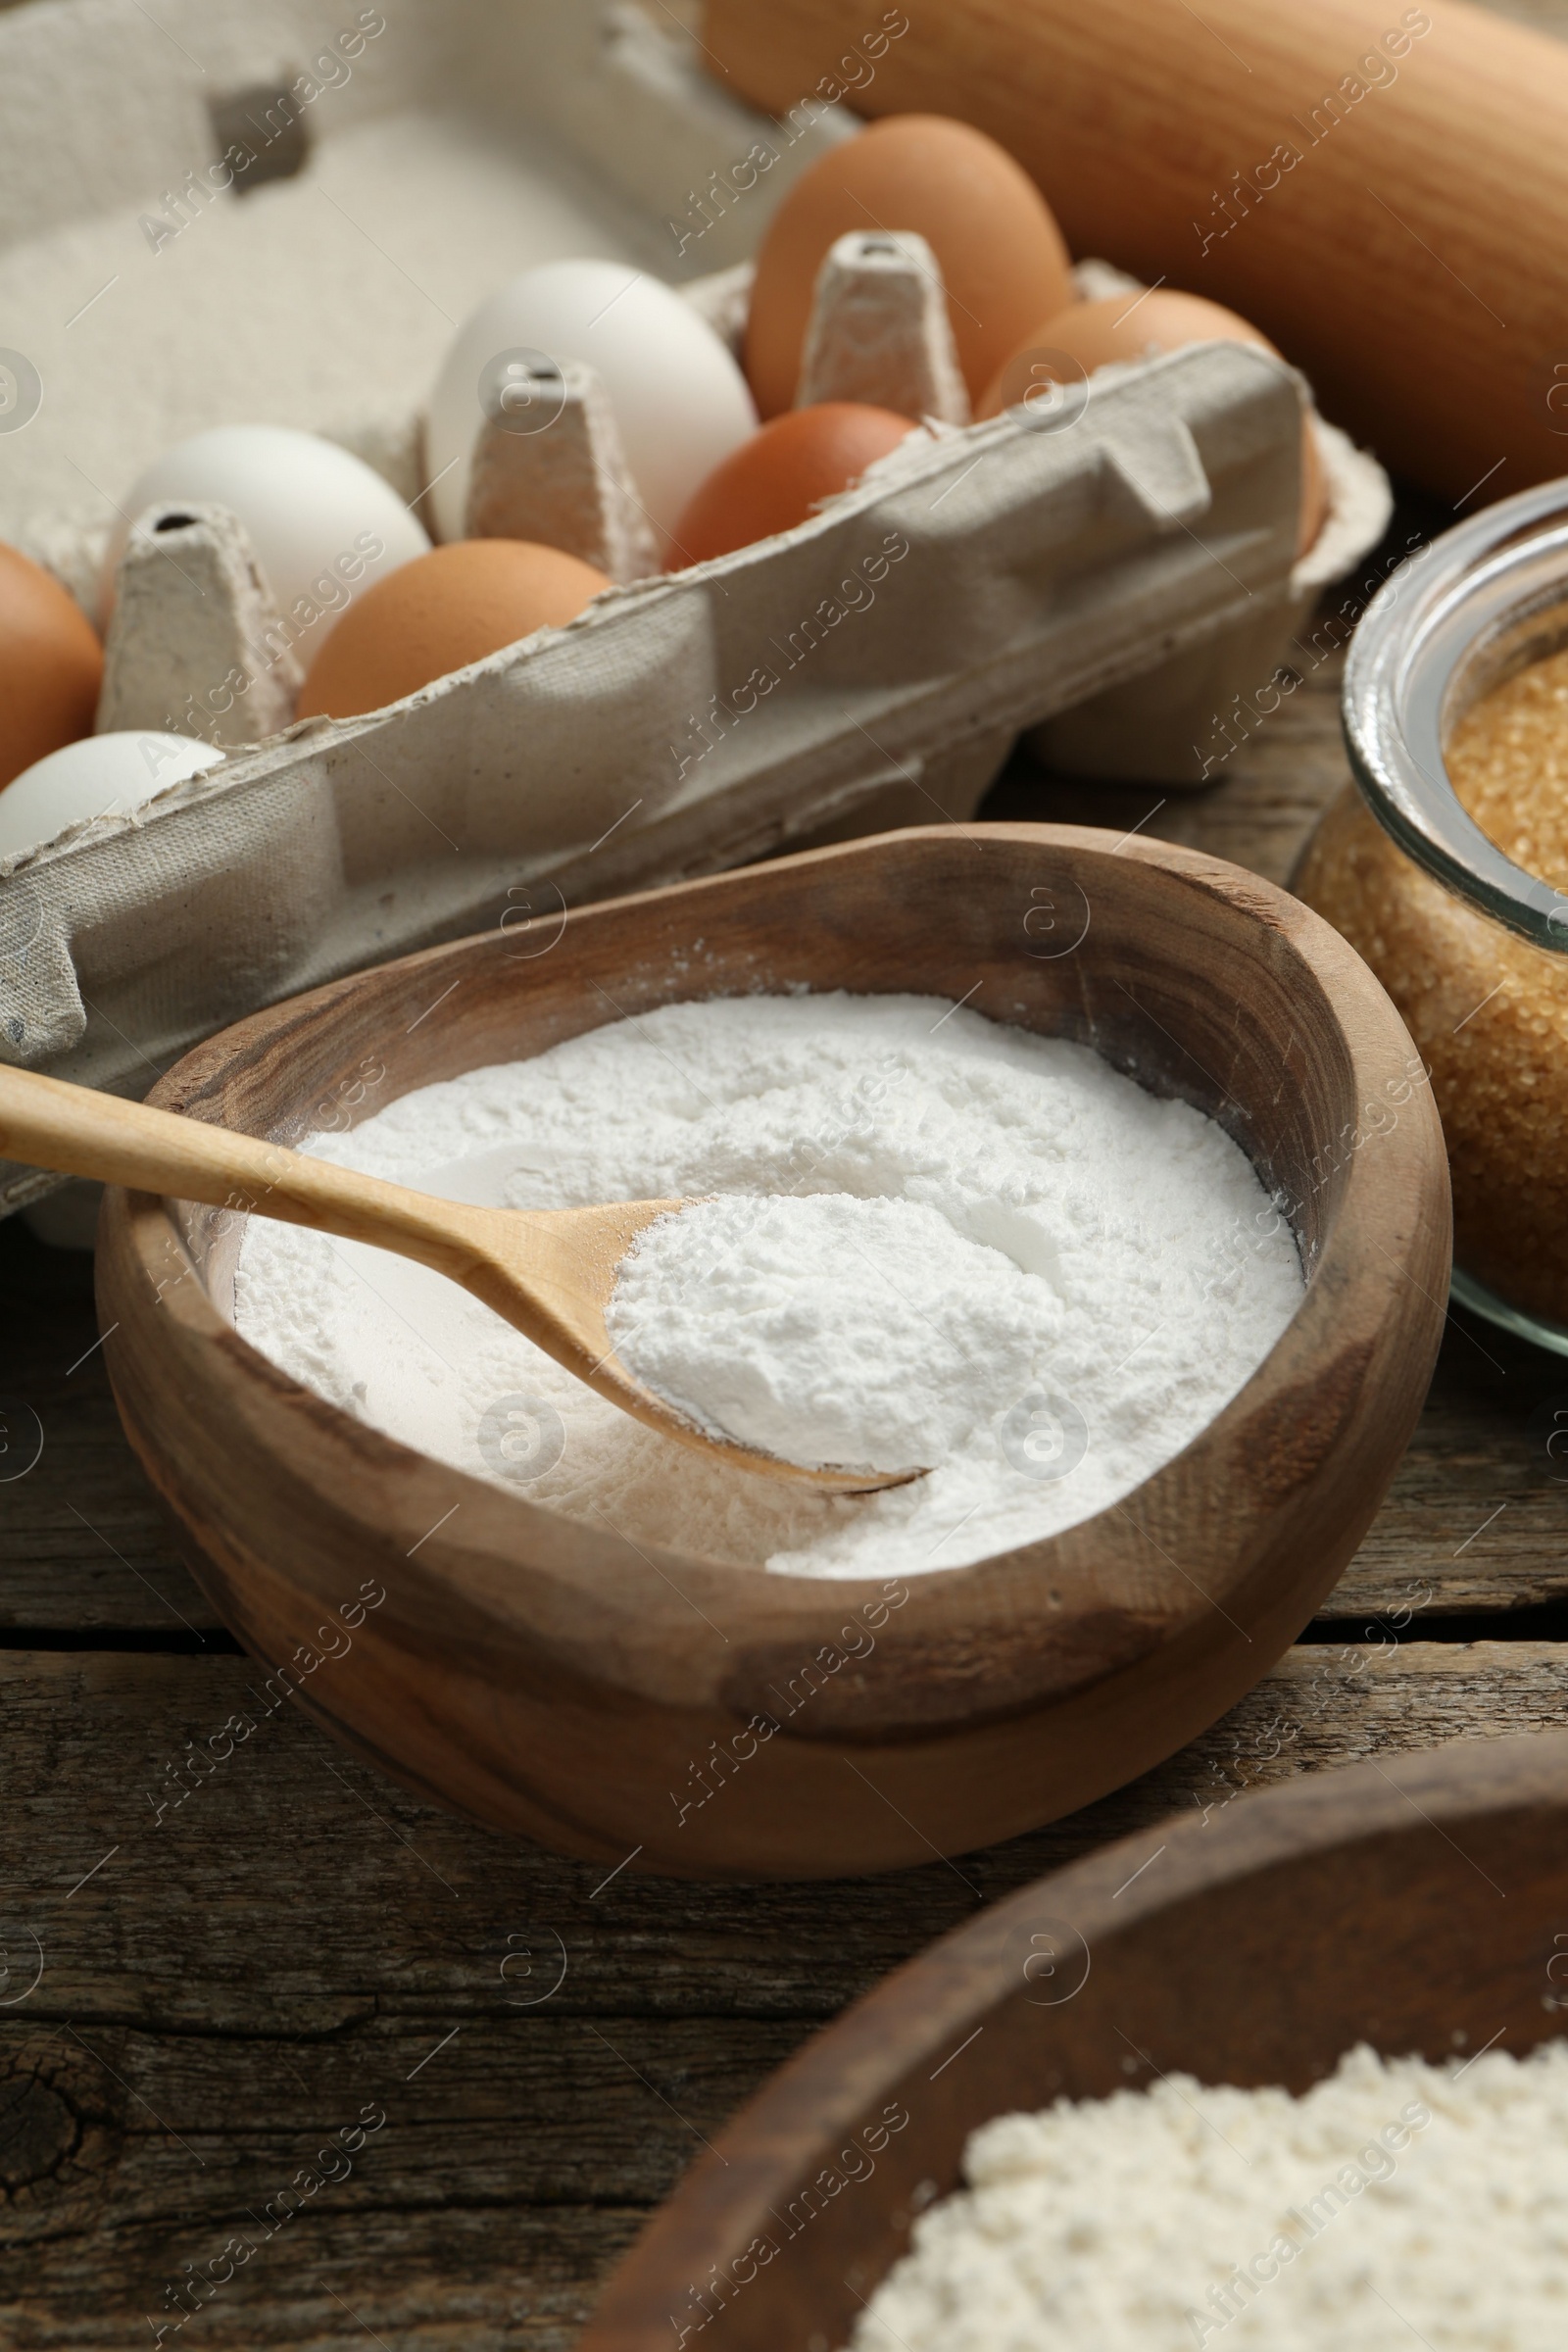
933,1241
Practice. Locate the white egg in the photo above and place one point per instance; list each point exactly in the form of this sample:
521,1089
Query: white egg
323,524
678,398
103,776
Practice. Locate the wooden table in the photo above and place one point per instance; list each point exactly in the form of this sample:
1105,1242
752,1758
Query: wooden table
296,1946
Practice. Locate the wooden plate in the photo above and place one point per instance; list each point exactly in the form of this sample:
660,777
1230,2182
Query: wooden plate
1421,1907
546,1676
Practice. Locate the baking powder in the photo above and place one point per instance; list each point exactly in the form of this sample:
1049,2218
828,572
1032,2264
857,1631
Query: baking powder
937,1242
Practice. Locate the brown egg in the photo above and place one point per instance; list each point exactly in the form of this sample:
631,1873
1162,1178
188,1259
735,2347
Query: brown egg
773,480
1002,259
1130,326
51,665
439,612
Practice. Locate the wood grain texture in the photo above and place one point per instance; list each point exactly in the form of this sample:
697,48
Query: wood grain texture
1404,256
553,1678
83,1543
396,1908
297,1940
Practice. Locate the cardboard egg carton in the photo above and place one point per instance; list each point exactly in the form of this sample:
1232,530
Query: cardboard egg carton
1107,576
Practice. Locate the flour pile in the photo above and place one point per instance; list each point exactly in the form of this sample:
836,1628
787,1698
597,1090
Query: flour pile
934,1242
800,1324
1395,2203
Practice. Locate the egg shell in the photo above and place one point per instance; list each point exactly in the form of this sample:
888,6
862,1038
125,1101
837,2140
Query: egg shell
322,525
437,614
679,400
103,776
776,478
1087,335
1002,259
51,665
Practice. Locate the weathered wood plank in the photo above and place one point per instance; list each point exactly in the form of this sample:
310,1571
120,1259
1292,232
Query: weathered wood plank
559,2110
298,1943
83,1543
297,1894
497,2277
1477,1517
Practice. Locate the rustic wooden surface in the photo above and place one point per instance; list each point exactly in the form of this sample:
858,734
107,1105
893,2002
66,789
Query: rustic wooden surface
299,1942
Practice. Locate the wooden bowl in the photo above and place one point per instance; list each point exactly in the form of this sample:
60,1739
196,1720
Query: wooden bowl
547,1677
1419,1907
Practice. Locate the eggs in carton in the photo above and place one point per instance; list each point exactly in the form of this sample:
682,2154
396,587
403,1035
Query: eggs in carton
1107,569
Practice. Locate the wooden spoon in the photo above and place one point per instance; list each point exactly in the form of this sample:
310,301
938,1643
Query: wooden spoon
547,1272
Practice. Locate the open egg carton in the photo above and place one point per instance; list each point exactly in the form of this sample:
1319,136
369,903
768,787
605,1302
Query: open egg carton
1111,571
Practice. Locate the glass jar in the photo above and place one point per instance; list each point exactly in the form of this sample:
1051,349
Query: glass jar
1471,947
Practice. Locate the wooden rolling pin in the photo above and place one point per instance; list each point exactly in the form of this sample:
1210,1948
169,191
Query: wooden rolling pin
1383,190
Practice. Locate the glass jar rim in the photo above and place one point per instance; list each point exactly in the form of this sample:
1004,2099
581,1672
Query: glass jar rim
1475,604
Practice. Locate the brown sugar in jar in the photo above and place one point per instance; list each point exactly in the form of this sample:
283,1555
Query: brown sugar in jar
1487,1011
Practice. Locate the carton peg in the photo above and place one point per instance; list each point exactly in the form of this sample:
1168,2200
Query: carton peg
548,466
196,645
879,330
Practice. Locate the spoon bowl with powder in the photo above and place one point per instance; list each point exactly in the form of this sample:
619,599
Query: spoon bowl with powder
550,1273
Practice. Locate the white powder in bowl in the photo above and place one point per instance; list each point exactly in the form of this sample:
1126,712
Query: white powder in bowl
937,1242
1394,2203
793,1322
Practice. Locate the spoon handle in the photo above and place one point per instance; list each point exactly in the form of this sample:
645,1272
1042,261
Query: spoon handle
47,1123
